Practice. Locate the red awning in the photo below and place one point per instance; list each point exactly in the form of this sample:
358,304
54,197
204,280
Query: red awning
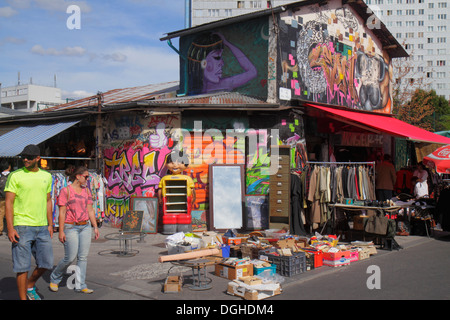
384,123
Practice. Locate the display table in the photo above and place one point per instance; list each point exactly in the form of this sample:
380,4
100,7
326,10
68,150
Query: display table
125,242
356,207
200,281
387,242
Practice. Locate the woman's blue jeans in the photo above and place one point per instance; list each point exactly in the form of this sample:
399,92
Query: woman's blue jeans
78,242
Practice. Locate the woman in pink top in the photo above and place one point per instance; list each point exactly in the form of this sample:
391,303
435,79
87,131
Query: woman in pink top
76,215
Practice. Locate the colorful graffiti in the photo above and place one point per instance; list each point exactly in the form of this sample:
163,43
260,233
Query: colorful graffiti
329,56
135,165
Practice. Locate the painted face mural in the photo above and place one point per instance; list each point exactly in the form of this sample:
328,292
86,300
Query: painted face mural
329,56
230,58
205,65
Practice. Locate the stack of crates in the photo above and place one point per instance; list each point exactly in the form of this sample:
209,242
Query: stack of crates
287,266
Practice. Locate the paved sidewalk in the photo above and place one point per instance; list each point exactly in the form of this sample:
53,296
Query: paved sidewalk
140,277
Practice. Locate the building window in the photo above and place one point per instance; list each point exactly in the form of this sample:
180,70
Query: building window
241,4
213,12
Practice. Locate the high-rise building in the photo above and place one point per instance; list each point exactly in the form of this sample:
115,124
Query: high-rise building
422,27
204,11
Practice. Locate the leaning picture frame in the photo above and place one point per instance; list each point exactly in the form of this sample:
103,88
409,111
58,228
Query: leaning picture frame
256,212
149,206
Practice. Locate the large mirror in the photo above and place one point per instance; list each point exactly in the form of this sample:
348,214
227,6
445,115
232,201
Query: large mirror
226,196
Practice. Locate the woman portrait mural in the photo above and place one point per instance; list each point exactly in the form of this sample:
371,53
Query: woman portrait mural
227,60
206,65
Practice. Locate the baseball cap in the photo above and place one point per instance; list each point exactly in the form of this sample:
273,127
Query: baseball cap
31,150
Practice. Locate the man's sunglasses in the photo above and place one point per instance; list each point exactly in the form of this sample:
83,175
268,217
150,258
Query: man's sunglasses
28,157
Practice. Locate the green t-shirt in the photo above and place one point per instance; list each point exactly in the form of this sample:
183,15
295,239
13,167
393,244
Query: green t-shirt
31,189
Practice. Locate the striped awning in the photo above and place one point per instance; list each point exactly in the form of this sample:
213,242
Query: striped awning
13,142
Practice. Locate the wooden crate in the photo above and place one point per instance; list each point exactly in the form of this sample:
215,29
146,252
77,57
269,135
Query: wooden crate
173,284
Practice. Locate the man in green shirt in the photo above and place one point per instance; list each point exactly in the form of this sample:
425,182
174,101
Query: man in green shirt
29,221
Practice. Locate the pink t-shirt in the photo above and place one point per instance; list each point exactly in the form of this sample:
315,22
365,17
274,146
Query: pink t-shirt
77,205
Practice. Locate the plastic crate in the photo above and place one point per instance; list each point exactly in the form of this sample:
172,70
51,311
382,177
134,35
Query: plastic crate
272,270
286,266
316,257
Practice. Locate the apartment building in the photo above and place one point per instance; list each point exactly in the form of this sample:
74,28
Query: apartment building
422,27
204,11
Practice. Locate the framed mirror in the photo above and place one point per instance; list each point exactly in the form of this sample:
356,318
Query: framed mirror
226,196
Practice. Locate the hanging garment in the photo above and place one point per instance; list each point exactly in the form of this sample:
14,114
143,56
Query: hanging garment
313,198
297,213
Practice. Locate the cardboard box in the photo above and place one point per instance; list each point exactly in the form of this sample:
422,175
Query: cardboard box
253,292
358,222
364,253
354,255
251,280
233,272
336,259
232,241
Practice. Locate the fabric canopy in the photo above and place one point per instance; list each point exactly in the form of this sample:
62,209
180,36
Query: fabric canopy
13,142
386,124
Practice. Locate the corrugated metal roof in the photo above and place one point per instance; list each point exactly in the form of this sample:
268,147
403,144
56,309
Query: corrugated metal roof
120,95
218,98
13,142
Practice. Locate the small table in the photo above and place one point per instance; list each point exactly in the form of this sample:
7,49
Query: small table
125,243
199,278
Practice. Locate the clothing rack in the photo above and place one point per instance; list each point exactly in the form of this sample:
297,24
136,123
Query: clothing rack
372,163
342,163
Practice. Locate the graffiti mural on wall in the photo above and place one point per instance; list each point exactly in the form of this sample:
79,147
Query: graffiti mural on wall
228,59
328,56
135,160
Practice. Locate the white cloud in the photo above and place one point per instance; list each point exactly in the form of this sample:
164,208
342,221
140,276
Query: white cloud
7,12
67,51
77,94
12,40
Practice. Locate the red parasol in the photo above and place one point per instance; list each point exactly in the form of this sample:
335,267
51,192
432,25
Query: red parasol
439,159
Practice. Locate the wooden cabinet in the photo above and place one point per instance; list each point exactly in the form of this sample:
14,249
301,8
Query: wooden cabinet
279,192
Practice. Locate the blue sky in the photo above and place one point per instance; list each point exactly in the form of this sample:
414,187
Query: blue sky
117,45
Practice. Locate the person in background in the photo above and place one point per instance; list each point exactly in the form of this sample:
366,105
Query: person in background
76,219
420,188
421,173
5,169
29,221
385,177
